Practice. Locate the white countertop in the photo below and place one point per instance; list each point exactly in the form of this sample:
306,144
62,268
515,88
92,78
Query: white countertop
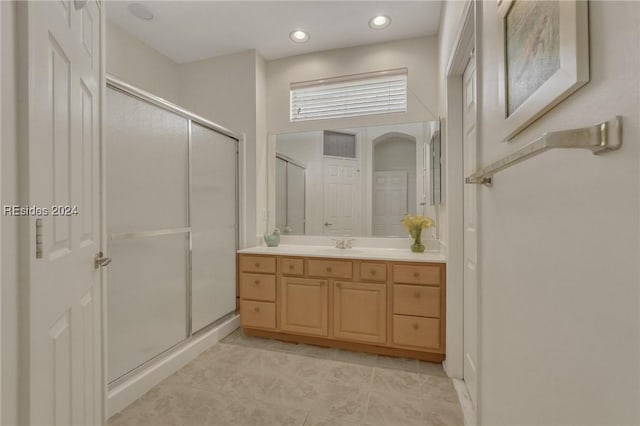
354,253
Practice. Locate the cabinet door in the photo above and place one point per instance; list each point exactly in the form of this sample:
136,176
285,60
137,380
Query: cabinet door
304,306
360,312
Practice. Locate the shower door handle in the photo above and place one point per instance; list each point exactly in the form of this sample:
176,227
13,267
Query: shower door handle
101,261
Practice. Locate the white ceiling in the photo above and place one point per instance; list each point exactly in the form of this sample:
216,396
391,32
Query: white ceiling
187,31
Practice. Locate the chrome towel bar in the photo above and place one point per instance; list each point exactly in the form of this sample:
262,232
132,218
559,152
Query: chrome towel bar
600,138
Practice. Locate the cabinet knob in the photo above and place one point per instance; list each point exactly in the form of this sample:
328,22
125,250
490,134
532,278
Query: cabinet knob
256,309
372,272
415,326
416,274
329,269
257,265
290,267
416,294
256,282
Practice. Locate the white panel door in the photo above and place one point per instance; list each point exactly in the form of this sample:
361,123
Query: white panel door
64,357
470,232
213,225
390,203
341,197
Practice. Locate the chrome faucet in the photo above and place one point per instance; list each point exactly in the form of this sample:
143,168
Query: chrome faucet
343,244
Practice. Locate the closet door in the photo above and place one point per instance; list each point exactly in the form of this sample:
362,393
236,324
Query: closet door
147,225
213,225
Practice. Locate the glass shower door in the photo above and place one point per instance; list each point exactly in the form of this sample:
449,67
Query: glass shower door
213,225
147,216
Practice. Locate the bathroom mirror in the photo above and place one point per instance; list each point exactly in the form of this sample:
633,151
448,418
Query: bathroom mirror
354,182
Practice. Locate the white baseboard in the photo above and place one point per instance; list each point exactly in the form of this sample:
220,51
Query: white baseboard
468,411
127,392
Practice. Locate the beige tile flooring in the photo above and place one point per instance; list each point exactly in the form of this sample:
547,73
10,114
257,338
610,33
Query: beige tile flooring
250,381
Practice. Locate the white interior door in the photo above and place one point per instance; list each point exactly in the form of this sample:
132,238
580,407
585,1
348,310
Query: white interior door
470,231
64,357
341,196
390,203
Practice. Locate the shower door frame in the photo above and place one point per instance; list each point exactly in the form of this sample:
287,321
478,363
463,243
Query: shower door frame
127,89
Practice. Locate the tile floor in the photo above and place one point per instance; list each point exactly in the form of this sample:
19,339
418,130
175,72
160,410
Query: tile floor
246,381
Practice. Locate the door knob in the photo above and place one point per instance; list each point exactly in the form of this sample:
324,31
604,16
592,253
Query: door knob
101,261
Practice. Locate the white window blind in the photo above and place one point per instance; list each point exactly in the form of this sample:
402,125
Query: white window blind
363,94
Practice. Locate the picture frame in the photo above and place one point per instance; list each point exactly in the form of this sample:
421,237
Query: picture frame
545,60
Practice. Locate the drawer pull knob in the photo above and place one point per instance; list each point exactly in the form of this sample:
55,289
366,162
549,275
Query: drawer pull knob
329,269
415,326
416,274
372,272
291,267
257,265
256,282
257,309
416,294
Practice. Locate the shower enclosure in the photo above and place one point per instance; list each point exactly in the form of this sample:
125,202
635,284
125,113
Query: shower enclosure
171,225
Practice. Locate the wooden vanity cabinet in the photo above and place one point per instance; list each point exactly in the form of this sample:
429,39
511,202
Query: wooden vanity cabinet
304,306
391,308
360,311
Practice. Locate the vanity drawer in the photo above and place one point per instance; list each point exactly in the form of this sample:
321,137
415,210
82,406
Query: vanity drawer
291,266
257,314
329,268
258,287
416,332
416,300
373,271
262,264
413,274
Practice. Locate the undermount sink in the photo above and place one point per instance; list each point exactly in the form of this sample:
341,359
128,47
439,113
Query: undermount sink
346,252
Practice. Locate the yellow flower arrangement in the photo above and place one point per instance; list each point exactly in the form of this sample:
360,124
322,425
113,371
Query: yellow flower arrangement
415,225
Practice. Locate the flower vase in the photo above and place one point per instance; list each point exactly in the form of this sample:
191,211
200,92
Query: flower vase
417,246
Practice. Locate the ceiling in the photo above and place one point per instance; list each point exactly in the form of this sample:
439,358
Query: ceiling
188,31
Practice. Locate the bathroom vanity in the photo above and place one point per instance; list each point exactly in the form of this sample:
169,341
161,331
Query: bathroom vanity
384,301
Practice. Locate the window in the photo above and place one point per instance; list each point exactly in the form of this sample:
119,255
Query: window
362,94
338,144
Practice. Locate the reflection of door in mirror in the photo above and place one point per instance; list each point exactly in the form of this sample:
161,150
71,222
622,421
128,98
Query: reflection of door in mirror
394,182
390,203
290,196
341,196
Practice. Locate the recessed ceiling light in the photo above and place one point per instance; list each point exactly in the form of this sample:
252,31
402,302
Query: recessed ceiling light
141,11
379,22
299,36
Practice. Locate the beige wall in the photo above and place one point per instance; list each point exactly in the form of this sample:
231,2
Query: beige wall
140,65
226,90
559,248
419,55
9,156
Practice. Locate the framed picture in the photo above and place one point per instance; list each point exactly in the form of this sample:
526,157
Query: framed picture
546,56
